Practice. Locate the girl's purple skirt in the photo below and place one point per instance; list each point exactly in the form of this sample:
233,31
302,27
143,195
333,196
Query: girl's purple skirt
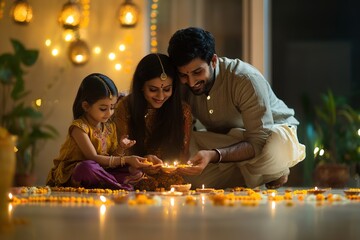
89,174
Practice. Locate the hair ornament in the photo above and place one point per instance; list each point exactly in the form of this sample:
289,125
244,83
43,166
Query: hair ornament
163,75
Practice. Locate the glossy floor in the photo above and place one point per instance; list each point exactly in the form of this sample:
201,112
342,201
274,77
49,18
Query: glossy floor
172,217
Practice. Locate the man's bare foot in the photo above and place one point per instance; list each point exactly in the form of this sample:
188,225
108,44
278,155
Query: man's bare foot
277,183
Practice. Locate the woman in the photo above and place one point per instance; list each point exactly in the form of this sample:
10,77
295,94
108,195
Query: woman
154,116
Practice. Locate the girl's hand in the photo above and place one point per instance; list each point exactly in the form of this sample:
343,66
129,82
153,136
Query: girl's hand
125,142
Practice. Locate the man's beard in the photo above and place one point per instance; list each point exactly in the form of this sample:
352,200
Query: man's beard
205,85
198,91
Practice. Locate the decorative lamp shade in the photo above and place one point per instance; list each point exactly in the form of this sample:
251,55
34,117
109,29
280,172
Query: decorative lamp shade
21,12
128,14
70,15
79,52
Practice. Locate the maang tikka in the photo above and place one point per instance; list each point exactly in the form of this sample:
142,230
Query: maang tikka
163,75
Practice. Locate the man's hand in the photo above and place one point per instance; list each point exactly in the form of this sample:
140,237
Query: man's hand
199,161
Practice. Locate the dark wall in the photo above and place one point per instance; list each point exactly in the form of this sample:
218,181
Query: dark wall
324,37
315,47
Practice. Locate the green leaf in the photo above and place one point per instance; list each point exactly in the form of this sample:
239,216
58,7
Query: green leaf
19,88
27,57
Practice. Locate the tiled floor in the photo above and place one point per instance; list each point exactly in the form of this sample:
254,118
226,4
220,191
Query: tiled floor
175,217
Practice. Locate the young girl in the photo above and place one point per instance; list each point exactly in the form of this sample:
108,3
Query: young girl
154,115
91,156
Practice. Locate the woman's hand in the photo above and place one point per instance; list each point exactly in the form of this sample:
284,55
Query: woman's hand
135,161
154,159
156,164
125,142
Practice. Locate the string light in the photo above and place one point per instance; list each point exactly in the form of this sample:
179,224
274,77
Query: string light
48,42
55,52
118,66
112,56
38,102
85,16
97,50
69,35
75,16
122,47
153,26
2,6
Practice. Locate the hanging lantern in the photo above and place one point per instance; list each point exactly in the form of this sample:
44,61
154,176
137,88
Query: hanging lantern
21,12
128,14
79,52
70,15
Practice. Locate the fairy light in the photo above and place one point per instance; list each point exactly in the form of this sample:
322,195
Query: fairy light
97,50
48,42
38,102
122,47
112,56
2,6
68,35
85,16
55,52
118,66
153,26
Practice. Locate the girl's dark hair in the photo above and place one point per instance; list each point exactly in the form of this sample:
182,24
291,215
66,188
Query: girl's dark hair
190,43
93,87
168,129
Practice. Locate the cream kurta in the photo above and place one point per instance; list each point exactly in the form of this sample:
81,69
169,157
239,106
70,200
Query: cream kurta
241,106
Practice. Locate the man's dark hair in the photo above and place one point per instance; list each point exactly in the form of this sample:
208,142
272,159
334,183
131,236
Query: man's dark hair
190,43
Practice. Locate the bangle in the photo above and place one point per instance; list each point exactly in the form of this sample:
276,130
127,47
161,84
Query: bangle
220,156
111,160
122,161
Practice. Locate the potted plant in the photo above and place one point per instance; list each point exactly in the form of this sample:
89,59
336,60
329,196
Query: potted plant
337,140
16,115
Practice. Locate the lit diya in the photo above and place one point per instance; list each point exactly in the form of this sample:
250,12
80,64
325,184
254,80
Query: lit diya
166,168
317,190
205,190
352,191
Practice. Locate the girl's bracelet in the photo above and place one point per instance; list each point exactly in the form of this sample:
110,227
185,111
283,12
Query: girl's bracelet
122,161
111,161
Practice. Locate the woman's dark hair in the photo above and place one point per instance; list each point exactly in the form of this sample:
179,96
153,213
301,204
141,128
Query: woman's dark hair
168,129
93,87
190,43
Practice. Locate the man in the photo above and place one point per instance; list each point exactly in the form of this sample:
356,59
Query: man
250,136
